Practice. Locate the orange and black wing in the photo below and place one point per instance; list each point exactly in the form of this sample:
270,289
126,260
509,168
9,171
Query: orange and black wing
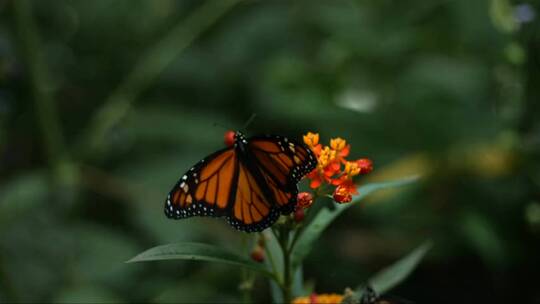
222,185
251,209
251,188
206,189
282,163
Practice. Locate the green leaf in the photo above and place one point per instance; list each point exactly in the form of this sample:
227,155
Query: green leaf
198,252
22,194
275,291
394,274
325,216
502,16
274,260
298,282
482,235
87,294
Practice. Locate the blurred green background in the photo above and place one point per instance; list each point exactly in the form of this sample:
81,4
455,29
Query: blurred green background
104,104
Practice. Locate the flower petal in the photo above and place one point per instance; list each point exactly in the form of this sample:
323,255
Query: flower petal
345,151
315,183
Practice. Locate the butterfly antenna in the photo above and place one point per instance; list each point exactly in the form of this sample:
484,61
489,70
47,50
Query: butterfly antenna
249,121
220,125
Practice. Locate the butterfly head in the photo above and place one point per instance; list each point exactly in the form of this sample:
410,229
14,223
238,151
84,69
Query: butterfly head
229,138
236,139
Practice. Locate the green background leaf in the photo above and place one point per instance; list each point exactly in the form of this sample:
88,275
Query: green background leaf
197,252
312,231
446,89
394,274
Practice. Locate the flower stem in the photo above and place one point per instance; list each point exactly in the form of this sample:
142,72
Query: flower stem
293,243
247,283
271,261
286,288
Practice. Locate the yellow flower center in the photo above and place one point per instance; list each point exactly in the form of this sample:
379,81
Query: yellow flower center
351,169
327,156
338,143
311,139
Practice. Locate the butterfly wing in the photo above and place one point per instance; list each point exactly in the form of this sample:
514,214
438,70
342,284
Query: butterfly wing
269,171
251,188
222,185
282,163
204,190
251,209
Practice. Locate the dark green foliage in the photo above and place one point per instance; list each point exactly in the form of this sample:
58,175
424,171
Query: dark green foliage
103,104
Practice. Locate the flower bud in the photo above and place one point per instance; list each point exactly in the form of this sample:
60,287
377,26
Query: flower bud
257,254
342,195
305,199
299,215
365,165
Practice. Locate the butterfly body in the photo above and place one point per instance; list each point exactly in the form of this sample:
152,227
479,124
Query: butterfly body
251,183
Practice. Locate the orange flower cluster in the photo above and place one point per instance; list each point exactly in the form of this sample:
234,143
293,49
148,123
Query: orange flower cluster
334,169
324,298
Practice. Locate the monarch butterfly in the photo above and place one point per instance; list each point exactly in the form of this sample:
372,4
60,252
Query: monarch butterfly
369,296
251,182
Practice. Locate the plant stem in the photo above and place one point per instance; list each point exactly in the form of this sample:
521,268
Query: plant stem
271,261
295,238
286,287
299,231
246,285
